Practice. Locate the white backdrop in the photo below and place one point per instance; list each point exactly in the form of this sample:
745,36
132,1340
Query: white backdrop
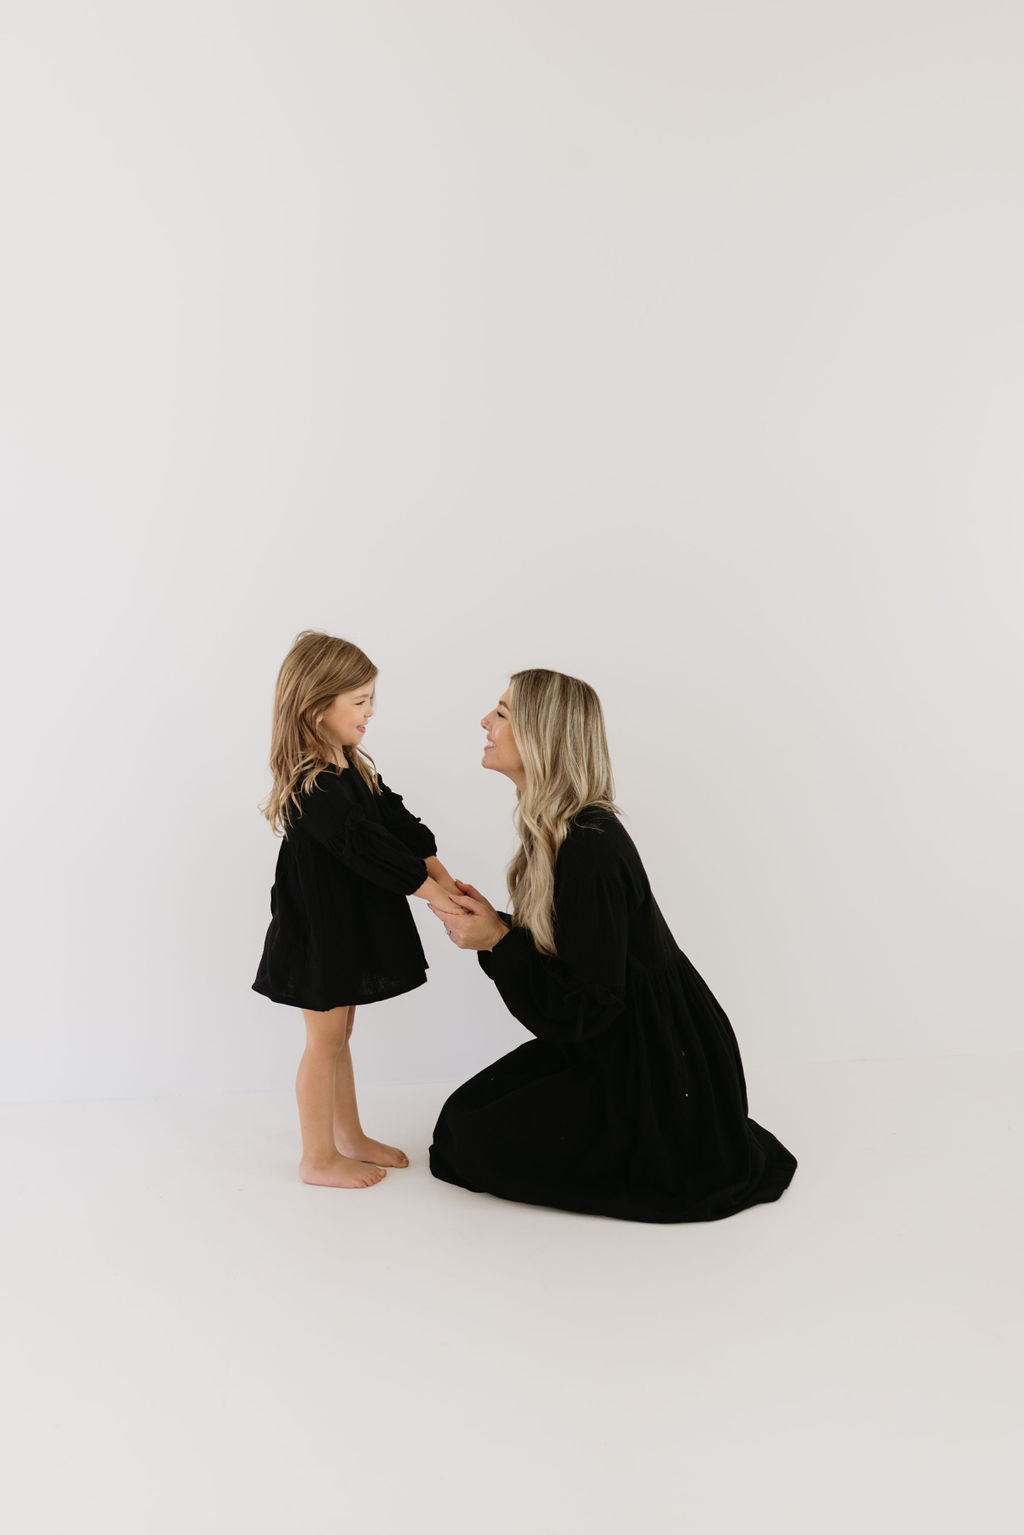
674,345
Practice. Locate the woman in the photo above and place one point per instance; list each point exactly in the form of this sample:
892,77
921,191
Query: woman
631,1099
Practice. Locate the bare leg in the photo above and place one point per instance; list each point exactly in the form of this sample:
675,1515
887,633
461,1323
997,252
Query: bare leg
349,1136
326,1038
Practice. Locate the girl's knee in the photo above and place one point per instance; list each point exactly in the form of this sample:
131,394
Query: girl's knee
351,1023
328,1031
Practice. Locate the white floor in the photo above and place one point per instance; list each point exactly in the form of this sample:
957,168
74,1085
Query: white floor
195,1341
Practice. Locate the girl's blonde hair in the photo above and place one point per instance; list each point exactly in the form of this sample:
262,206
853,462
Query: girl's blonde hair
558,724
316,669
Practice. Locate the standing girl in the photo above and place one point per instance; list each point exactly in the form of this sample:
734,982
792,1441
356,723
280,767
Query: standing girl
341,931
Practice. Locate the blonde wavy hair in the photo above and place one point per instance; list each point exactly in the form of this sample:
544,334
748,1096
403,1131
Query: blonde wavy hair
558,724
316,669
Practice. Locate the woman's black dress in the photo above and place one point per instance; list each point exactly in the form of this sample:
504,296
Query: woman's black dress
631,1100
340,926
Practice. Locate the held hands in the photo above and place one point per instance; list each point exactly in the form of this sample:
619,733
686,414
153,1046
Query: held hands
437,897
477,926
444,902
439,887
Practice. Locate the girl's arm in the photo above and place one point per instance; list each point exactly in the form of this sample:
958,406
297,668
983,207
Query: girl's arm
436,894
438,872
331,817
408,828
417,836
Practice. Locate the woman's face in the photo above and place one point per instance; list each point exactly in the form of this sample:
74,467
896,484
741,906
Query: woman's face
348,716
500,751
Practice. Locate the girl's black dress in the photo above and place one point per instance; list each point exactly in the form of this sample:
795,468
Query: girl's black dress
340,926
631,1100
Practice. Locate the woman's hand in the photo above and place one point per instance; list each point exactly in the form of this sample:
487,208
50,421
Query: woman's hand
479,927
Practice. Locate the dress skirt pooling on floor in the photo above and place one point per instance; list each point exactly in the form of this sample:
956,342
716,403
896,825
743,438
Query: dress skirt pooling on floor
340,929
631,1099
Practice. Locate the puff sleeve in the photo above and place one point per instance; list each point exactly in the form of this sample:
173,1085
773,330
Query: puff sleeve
332,817
408,828
580,991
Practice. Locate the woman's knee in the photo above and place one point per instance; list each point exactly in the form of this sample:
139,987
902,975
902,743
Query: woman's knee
351,1023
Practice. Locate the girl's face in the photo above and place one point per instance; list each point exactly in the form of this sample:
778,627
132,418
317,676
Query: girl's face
348,716
500,751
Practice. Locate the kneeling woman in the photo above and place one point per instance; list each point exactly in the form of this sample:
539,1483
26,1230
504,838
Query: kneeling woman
631,1099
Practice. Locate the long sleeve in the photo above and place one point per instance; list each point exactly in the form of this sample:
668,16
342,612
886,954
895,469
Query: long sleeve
332,817
409,829
578,992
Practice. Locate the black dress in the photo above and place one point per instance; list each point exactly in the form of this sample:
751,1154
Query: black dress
631,1100
340,926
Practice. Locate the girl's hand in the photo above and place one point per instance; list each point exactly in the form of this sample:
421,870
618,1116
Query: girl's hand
439,900
478,925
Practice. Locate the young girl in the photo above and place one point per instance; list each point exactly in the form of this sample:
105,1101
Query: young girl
341,931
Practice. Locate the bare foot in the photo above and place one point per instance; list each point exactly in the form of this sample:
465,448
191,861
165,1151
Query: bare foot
341,1173
366,1150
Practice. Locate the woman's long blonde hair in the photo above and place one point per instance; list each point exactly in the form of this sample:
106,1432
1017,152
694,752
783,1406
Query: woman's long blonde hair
316,669
558,724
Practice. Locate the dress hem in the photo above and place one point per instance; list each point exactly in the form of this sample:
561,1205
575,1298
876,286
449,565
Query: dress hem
357,1001
628,1206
